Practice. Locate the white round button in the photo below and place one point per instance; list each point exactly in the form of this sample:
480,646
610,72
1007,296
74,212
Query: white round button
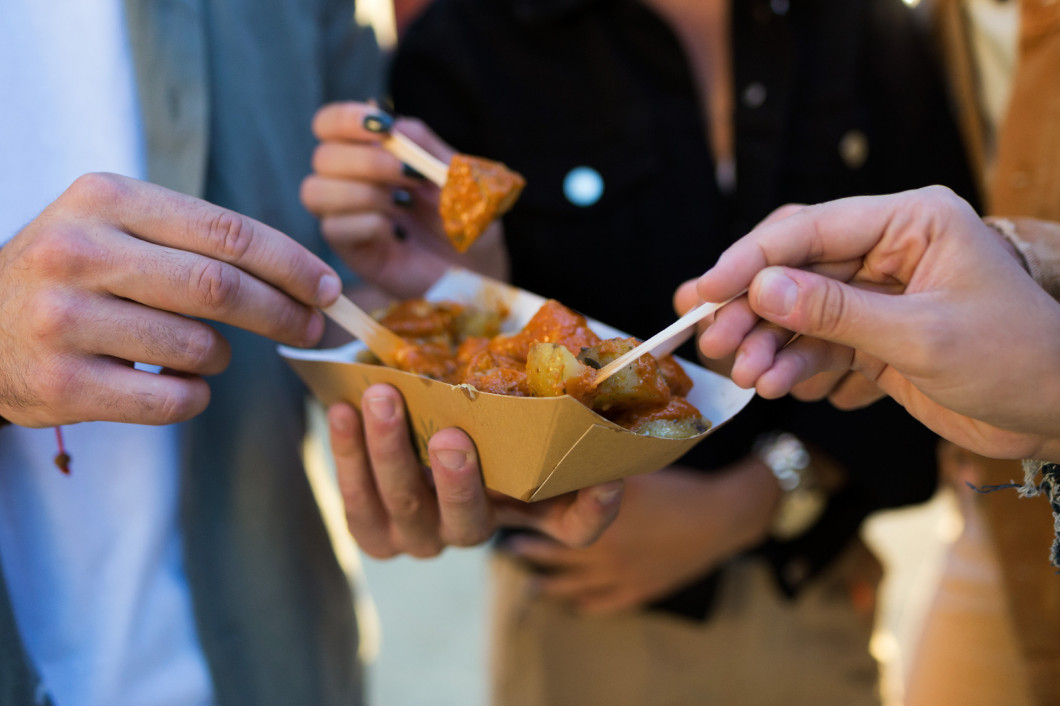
854,149
583,186
754,95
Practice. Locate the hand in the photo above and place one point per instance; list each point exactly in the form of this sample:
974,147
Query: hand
382,222
969,347
110,273
396,506
673,527
845,389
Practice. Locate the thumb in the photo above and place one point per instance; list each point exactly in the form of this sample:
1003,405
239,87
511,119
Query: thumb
825,308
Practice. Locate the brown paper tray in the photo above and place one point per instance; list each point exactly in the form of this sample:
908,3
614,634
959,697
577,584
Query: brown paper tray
529,448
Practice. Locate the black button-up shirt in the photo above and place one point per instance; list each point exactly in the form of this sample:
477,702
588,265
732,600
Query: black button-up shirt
832,98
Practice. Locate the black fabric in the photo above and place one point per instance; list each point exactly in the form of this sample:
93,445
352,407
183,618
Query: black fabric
549,86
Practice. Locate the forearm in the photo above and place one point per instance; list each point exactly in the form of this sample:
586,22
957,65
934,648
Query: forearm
747,491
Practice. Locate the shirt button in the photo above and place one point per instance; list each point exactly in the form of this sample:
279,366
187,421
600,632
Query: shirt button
754,95
854,149
583,186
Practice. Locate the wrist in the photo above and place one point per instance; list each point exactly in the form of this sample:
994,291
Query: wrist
802,494
1006,229
1036,244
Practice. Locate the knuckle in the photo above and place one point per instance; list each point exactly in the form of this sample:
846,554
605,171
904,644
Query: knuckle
215,285
939,192
468,536
61,251
935,205
355,500
374,550
404,504
426,549
229,234
288,322
830,309
377,225
54,315
200,348
96,188
370,539
177,405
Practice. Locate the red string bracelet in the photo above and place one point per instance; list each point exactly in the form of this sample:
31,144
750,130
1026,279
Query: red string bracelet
62,459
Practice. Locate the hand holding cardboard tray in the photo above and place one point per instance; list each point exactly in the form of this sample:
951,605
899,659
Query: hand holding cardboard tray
530,448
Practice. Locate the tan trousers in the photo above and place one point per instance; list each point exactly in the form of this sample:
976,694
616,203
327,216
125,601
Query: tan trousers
758,648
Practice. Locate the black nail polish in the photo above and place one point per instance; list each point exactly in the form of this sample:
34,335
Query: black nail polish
400,234
402,198
379,122
411,173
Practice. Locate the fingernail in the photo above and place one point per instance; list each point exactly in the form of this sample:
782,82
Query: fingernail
776,292
378,122
328,289
342,424
607,494
411,172
402,198
451,459
382,408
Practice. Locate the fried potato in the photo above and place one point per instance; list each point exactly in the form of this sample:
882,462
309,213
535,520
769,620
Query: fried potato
476,192
677,419
639,384
552,370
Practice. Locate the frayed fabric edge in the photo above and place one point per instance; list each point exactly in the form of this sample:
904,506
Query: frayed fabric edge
1049,485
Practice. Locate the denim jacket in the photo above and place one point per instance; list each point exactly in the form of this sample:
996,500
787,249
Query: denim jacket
228,89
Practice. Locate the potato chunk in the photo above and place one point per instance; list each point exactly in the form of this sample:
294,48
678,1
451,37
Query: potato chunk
677,419
639,384
476,192
552,370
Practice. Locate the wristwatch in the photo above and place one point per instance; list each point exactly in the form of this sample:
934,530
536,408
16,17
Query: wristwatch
802,497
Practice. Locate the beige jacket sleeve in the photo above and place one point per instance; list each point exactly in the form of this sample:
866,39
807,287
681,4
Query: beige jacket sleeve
1038,242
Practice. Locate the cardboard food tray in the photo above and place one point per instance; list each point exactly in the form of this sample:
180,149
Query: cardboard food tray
530,448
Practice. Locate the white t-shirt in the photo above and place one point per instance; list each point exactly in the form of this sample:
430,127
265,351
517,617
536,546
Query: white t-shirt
94,560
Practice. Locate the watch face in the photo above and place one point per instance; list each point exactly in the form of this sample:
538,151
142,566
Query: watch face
802,500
